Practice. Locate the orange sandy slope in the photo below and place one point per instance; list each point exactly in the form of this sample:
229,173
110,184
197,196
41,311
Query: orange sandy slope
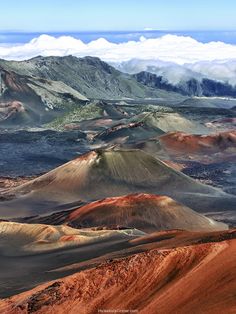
199,277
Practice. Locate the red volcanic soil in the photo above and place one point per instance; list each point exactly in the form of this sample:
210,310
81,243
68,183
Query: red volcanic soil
146,212
182,143
15,82
9,108
197,278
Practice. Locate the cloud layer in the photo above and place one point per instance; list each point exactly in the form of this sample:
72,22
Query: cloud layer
215,59
220,70
177,49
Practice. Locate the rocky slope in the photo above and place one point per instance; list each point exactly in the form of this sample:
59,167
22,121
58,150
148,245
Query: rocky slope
90,76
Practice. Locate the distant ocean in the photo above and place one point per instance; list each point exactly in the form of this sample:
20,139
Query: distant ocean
228,37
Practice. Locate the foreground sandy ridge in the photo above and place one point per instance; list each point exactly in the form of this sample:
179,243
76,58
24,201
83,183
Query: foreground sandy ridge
198,278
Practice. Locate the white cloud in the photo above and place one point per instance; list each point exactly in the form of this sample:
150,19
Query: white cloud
217,70
177,49
224,71
170,52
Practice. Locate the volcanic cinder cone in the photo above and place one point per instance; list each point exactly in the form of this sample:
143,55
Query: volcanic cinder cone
107,173
145,212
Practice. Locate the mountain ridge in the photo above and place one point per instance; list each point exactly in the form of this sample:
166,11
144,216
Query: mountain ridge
83,75
190,87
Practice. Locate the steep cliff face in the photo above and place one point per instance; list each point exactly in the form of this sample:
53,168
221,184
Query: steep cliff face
190,87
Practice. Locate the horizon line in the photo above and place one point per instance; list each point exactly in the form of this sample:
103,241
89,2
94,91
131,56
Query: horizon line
115,31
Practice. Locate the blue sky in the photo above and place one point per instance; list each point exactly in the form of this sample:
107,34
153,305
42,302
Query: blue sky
86,15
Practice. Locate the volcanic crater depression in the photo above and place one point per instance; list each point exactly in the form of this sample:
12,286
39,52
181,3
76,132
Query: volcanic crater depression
116,190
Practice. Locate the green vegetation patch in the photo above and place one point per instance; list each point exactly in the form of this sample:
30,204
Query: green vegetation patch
77,114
